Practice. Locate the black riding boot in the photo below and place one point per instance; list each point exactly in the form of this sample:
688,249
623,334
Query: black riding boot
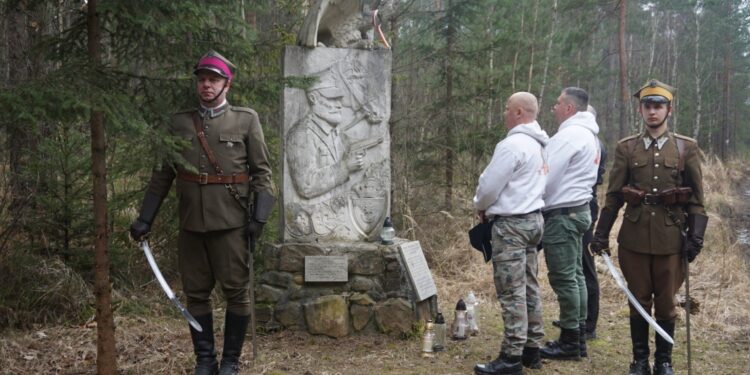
530,358
203,345
503,365
235,328
582,340
663,353
567,347
639,337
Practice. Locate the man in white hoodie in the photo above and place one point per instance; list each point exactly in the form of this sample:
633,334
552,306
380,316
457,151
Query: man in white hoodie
573,164
510,195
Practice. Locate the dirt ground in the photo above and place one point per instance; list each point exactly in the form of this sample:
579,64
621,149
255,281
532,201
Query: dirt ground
161,345
155,339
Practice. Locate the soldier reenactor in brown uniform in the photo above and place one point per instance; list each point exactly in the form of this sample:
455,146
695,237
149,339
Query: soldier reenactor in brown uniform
658,174
222,207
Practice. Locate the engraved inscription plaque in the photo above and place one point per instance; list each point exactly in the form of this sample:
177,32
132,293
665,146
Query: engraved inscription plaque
419,272
332,268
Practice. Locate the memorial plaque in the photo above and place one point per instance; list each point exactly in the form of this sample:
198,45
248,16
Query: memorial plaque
332,268
419,272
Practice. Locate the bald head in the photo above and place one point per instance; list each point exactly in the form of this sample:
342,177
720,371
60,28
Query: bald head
521,108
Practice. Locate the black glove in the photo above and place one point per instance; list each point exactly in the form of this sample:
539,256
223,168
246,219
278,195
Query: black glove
142,226
261,210
692,249
696,229
254,230
599,245
139,230
600,241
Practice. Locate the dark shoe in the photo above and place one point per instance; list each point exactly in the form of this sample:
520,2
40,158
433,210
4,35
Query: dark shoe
235,328
203,346
530,358
582,340
590,335
663,368
556,323
640,368
567,347
503,365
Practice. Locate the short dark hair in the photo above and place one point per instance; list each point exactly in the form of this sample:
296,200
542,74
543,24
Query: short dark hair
578,96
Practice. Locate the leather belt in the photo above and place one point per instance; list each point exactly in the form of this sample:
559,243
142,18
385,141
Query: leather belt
566,210
652,199
205,178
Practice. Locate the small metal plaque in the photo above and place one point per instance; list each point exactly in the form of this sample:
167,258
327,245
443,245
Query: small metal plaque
418,270
333,268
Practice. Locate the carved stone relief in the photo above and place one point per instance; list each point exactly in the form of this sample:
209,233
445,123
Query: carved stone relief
336,166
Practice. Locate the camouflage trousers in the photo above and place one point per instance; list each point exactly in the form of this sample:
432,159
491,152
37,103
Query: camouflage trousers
515,265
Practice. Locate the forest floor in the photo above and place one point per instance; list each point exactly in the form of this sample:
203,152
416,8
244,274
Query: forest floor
153,339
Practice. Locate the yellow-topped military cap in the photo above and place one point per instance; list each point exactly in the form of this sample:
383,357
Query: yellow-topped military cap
655,91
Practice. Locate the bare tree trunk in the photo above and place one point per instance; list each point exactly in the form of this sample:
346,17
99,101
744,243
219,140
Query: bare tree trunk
726,86
551,35
394,123
654,21
673,78
106,362
532,44
519,46
623,70
16,72
696,69
448,129
491,67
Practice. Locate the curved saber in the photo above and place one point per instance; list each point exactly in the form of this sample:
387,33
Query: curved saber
633,301
166,288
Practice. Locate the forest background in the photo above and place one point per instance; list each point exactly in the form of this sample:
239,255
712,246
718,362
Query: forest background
88,85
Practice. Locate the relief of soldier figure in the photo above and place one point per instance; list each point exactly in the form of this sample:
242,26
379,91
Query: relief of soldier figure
335,156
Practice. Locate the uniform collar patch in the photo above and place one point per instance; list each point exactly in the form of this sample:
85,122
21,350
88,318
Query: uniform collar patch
648,141
213,112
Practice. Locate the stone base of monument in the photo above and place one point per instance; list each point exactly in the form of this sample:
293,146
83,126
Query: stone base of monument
338,289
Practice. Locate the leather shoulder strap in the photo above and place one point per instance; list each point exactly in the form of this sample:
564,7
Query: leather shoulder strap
212,158
204,143
681,152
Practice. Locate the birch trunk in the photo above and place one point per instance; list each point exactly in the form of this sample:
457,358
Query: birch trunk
696,69
623,70
551,36
532,43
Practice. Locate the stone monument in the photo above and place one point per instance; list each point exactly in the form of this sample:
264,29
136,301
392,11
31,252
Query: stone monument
330,275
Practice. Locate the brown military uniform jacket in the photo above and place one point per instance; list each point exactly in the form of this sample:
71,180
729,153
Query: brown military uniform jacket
236,139
650,229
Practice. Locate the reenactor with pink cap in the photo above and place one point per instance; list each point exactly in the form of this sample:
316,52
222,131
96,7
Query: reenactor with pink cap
225,197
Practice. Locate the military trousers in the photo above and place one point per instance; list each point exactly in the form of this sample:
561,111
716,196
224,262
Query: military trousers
215,257
592,282
653,280
515,267
563,234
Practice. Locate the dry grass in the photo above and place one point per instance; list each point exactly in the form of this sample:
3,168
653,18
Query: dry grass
155,342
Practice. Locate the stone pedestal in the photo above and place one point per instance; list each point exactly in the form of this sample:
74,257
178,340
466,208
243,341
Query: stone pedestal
377,297
335,195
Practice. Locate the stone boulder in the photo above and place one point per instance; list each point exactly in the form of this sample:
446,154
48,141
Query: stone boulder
328,315
394,316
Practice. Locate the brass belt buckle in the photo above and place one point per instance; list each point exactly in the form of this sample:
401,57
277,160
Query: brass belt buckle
202,178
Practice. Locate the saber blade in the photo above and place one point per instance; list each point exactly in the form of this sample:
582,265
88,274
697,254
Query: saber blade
633,301
164,286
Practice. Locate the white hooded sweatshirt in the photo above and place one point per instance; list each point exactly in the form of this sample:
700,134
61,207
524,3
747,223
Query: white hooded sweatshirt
513,182
573,162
